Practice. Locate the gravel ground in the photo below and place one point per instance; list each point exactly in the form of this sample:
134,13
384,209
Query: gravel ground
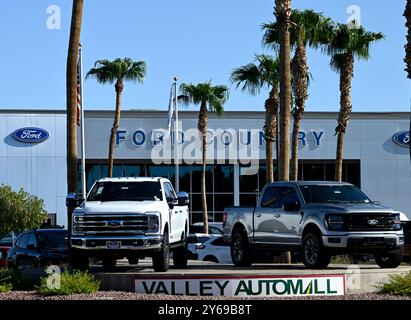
117,295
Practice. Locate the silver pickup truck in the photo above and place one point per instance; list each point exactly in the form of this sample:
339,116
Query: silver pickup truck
316,219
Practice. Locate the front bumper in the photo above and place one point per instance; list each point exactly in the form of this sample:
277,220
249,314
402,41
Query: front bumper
135,243
364,241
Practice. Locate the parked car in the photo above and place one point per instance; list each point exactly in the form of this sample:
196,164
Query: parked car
3,256
194,242
215,250
215,228
39,248
130,217
6,241
317,218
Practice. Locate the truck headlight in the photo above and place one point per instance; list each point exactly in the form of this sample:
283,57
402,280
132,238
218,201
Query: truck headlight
396,223
78,219
153,223
335,222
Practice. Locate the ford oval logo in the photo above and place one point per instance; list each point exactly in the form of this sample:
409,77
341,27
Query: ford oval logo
402,138
114,223
373,222
30,135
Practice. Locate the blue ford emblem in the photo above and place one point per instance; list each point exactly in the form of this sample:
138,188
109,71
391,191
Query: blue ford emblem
30,135
114,223
402,138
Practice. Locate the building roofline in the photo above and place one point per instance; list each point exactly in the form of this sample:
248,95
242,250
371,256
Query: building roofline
227,114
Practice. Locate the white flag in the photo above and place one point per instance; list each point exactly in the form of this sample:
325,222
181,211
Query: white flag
170,112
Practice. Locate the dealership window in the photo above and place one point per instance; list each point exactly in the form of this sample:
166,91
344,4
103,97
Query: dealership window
219,182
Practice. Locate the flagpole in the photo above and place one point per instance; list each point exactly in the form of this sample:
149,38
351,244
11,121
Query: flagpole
83,146
177,156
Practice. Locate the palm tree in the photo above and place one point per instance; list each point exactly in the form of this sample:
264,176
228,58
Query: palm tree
308,28
282,13
71,99
347,43
117,71
252,77
210,98
407,15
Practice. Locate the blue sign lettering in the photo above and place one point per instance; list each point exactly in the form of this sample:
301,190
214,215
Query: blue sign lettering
30,135
138,137
301,137
120,136
317,137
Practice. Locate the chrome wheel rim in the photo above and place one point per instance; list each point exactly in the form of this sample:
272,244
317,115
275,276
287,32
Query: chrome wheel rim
311,250
237,250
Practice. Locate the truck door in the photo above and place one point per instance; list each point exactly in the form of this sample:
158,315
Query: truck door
176,215
265,221
287,222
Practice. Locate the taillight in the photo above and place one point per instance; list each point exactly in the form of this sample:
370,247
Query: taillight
224,218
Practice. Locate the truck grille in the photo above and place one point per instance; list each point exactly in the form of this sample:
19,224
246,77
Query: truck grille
371,222
119,224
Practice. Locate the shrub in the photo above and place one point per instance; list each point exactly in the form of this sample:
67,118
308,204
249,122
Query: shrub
398,285
77,282
14,280
19,211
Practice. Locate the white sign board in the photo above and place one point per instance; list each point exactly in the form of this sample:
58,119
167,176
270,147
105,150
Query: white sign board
252,286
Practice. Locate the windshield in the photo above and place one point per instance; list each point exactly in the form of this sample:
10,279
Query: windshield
53,239
333,194
126,191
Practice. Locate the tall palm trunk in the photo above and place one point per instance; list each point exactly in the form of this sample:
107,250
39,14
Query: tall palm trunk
119,89
346,75
300,76
407,15
202,127
71,100
270,130
283,12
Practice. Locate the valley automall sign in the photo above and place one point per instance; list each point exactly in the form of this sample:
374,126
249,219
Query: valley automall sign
245,286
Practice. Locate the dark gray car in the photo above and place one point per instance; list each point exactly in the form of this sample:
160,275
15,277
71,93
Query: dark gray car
317,219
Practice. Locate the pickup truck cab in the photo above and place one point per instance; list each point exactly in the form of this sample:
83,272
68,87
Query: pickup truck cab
133,218
317,219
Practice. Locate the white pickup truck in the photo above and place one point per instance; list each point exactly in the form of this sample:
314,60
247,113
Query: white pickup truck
129,217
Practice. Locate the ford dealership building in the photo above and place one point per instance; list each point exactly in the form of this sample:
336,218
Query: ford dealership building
33,154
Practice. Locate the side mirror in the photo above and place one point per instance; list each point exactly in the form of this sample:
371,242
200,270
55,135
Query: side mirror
73,200
183,198
172,202
291,206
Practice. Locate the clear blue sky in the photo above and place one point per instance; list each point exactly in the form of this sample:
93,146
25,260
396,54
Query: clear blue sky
195,40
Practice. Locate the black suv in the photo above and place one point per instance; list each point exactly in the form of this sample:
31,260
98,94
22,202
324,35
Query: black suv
38,248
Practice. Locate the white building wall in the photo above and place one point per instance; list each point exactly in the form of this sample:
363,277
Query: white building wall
40,169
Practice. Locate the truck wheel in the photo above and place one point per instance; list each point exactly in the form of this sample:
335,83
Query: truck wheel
132,260
313,252
390,259
180,257
161,260
240,250
109,263
79,261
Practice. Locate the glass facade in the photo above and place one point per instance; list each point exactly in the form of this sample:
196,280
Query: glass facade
219,180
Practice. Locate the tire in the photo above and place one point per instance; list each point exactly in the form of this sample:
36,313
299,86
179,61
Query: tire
180,254
211,259
240,250
161,260
390,259
313,253
79,261
132,260
24,264
109,263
